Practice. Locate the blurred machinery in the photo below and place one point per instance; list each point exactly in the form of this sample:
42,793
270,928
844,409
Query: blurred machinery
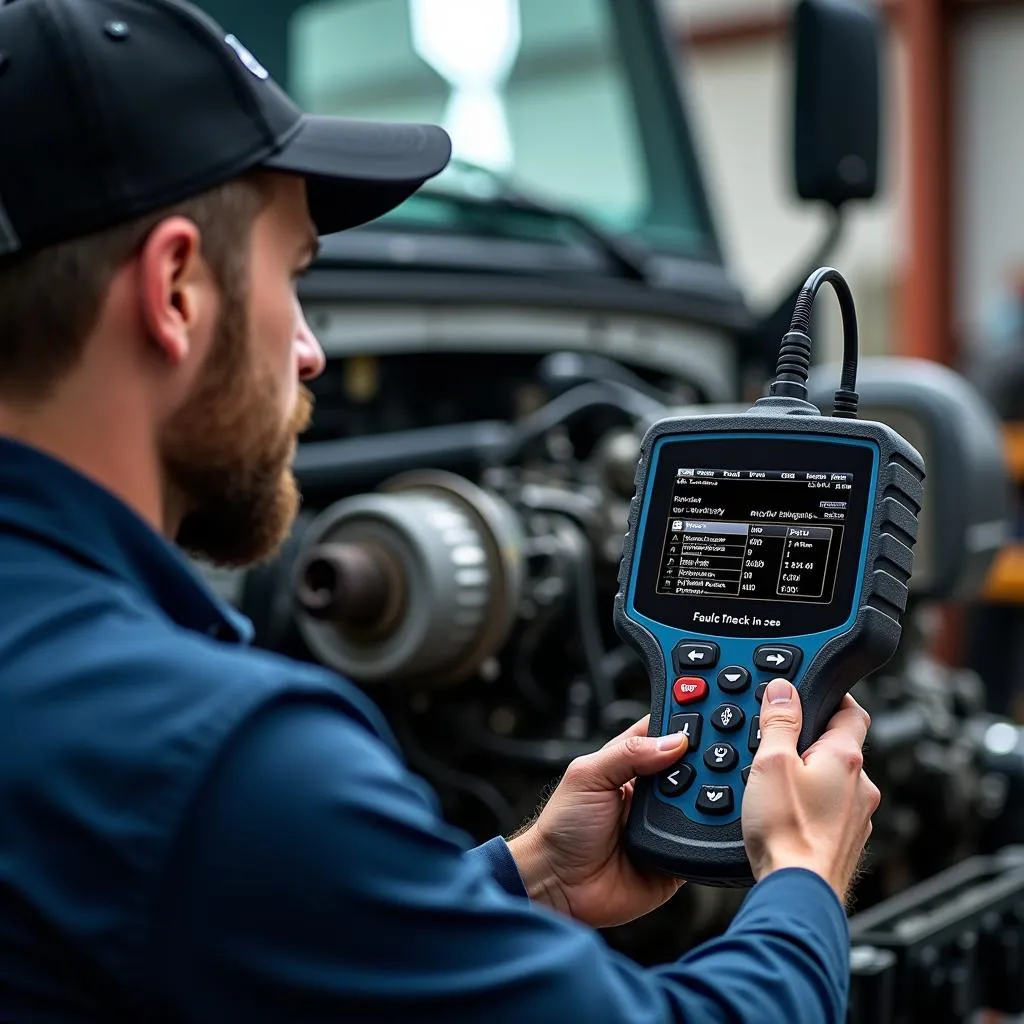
933,748
948,951
475,607
458,553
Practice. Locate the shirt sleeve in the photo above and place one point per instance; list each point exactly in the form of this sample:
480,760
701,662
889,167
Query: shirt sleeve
498,858
316,882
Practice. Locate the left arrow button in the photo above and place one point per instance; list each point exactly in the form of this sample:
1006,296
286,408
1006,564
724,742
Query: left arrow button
677,780
689,655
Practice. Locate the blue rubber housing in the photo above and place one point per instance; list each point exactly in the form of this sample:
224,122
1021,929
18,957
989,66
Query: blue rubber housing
670,833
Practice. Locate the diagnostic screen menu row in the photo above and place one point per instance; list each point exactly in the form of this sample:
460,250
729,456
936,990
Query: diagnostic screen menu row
758,534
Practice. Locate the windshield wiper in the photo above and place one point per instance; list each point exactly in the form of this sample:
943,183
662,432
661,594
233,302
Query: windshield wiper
504,194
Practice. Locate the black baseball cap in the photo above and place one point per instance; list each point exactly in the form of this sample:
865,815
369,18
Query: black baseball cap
111,109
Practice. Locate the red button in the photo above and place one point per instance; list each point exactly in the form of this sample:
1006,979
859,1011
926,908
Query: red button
687,689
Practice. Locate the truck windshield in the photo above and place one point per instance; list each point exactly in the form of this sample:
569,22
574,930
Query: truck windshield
555,96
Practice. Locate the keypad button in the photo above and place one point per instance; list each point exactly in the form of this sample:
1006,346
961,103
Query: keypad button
677,779
780,659
754,739
689,726
727,717
745,774
733,679
715,799
688,656
759,693
688,689
720,757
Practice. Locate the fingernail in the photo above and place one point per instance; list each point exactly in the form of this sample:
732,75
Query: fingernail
779,691
671,741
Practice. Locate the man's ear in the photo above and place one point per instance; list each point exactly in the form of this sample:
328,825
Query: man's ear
173,286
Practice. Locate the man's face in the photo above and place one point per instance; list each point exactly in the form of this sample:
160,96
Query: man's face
229,449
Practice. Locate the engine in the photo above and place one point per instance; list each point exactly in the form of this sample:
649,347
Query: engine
474,606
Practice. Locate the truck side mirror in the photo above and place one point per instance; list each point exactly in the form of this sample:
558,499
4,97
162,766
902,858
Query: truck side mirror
837,51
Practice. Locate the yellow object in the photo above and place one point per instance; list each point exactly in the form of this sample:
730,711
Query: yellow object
362,378
1005,582
1014,435
1006,579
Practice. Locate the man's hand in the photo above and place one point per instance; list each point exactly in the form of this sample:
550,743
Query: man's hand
812,811
572,857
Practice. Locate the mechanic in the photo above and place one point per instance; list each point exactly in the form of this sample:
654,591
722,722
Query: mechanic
192,829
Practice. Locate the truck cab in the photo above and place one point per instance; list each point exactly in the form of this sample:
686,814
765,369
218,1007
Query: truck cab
496,347
573,217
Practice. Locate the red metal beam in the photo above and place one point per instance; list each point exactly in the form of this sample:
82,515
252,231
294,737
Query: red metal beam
927,308
927,302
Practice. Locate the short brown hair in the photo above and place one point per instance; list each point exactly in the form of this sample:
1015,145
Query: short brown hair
51,298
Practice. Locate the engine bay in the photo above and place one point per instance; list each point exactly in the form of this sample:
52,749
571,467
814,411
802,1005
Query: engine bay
456,558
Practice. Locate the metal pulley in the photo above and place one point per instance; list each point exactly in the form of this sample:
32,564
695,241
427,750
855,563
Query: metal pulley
417,581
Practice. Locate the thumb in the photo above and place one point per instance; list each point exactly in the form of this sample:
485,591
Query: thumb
781,717
627,757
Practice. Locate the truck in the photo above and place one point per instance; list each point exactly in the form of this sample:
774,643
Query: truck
496,348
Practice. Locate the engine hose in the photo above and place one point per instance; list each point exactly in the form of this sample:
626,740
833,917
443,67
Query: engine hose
588,628
536,629
612,395
444,774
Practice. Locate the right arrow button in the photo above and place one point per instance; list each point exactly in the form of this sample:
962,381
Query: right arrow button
779,659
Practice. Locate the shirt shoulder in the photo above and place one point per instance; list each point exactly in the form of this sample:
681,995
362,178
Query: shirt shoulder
111,718
93,637
315,871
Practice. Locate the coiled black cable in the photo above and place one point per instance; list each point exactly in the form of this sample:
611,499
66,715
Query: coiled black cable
795,351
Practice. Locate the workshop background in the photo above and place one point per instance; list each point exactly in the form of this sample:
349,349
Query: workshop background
493,686
936,260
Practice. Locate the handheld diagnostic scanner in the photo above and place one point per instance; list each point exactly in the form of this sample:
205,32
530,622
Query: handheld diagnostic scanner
776,542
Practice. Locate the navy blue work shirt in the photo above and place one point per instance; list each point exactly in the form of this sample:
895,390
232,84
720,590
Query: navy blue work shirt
193,830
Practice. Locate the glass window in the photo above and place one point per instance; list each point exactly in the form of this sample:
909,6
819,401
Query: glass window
539,91
529,88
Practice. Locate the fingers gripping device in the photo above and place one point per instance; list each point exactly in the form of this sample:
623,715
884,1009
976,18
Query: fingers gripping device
777,542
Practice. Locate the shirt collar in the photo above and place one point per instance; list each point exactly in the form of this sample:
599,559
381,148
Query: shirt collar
49,500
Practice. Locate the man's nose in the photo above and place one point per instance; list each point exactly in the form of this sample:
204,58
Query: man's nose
308,353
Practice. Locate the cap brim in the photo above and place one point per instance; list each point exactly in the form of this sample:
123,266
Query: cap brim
356,171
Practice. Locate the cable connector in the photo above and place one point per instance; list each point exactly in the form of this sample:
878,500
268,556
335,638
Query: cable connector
795,351
844,404
793,366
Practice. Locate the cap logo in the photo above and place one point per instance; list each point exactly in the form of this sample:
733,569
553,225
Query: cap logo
247,58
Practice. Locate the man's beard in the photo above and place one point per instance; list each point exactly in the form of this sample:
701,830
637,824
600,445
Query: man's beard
227,454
